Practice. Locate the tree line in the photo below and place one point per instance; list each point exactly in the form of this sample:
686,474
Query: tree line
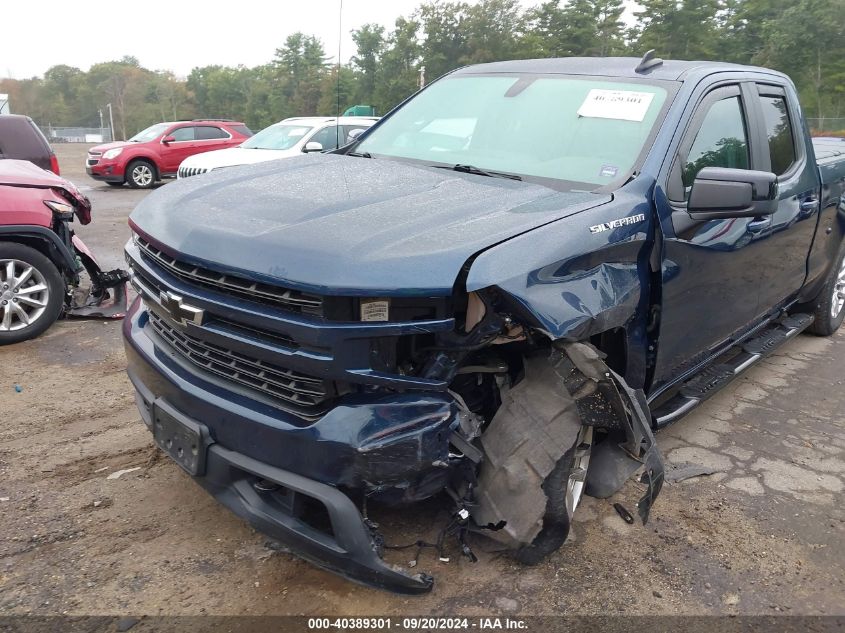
803,38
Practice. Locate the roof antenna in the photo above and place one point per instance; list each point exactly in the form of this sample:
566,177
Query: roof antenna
339,38
648,62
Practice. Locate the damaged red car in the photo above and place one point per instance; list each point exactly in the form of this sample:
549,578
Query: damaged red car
41,260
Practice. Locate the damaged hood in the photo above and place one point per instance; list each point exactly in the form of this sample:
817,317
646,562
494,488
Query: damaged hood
342,225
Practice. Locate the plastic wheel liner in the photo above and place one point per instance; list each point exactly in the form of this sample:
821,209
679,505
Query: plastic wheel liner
573,374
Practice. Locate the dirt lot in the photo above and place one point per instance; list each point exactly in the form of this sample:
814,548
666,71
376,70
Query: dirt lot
763,535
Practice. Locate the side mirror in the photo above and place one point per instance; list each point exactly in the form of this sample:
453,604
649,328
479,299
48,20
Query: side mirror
168,139
312,146
353,134
723,192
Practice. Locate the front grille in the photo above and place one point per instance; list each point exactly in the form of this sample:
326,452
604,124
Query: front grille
185,172
304,395
93,161
291,300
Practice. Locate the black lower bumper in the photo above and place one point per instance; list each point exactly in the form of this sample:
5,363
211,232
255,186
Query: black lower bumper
274,502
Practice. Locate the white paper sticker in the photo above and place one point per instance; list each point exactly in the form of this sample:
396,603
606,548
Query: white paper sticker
374,310
626,105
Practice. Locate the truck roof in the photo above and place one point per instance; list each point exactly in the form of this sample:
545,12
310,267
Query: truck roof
672,70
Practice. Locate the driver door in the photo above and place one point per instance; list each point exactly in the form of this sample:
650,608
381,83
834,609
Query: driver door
711,270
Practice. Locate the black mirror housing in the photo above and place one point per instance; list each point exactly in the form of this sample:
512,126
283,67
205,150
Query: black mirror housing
723,192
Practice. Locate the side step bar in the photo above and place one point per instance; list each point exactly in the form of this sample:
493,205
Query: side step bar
727,367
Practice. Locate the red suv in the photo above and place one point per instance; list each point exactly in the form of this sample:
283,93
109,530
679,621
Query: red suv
156,152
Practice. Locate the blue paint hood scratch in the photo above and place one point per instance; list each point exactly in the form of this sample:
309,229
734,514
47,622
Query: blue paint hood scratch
343,225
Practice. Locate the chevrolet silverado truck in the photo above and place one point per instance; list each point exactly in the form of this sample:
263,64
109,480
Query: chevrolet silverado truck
493,297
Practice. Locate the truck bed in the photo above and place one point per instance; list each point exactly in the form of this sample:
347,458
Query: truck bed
830,157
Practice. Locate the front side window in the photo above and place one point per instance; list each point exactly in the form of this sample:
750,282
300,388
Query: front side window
327,137
721,140
779,133
583,132
182,134
278,136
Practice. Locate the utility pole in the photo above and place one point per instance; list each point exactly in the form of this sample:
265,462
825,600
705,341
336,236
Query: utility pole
111,121
422,77
100,112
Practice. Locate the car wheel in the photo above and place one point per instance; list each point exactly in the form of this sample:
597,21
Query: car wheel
829,307
140,174
31,293
114,184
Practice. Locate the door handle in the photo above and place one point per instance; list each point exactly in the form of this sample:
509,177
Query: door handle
759,224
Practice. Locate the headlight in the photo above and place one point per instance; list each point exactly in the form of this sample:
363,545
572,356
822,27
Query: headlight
60,209
112,153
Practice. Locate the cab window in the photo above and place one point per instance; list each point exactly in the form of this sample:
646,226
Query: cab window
779,133
721,141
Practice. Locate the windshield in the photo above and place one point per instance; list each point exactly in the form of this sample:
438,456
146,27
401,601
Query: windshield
278,136
584,131
150,133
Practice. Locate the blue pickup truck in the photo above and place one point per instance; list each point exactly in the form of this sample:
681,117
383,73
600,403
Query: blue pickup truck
492,297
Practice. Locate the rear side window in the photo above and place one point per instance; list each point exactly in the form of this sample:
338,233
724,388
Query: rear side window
242,129
208,132
722,140
182,134
779,132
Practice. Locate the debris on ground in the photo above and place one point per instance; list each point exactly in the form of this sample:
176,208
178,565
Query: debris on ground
679,472
622,511
120,473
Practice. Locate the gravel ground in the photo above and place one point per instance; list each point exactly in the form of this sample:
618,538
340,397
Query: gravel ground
762,535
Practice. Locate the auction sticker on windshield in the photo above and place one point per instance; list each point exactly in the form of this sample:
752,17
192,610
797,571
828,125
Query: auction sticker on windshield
627,105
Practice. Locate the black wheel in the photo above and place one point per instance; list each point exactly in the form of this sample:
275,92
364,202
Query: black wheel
140,174
829,306
114,184
31,293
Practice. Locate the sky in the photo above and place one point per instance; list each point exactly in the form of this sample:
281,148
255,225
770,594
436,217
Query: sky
177,36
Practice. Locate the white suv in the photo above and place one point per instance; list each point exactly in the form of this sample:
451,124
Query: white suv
281,140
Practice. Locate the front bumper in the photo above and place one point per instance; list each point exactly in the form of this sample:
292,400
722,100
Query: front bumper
241,484
389,446
105,171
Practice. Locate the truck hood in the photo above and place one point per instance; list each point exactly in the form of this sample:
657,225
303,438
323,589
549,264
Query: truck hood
233,156
335,224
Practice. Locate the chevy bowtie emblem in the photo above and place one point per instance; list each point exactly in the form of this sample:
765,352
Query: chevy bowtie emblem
181,312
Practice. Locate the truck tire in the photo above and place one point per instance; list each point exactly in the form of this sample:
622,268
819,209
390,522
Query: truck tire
829,306
31,293
141,174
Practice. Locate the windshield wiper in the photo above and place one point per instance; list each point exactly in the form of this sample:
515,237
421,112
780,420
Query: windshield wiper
360,154
472,169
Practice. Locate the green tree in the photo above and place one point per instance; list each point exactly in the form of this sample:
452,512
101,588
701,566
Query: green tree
678,29
807,41
369,43
398,73
445,33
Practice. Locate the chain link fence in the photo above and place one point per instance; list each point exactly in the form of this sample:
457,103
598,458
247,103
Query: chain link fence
827,126
77,134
